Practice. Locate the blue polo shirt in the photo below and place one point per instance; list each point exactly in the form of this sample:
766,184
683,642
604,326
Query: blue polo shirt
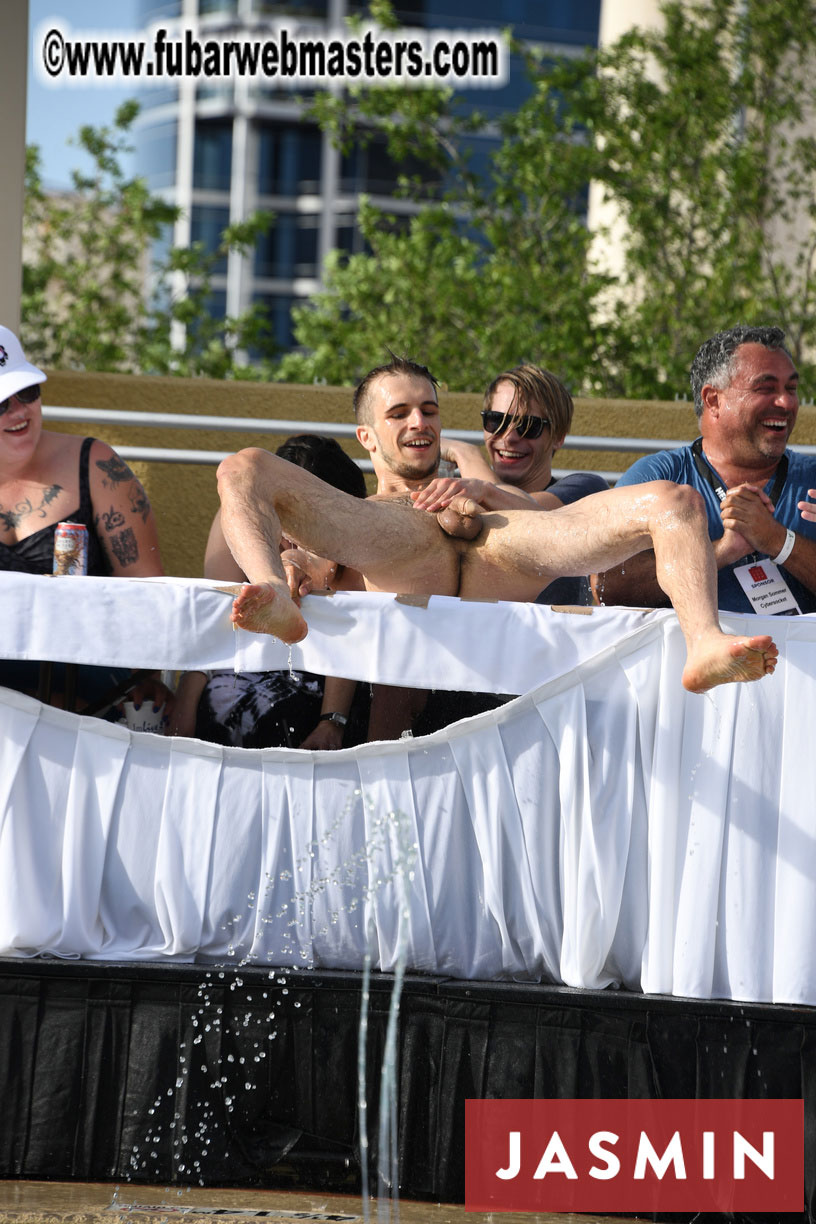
679,467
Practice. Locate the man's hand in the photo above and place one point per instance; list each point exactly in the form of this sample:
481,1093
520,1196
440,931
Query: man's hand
467,457
439,494
747,512
442,490
306,572
808,508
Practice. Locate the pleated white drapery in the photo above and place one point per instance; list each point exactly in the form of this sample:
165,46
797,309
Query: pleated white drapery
605,827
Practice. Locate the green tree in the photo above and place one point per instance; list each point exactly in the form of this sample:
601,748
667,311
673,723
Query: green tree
705,145
86,253
700,135
487,274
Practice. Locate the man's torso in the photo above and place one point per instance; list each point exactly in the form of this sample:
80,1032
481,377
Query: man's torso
679,467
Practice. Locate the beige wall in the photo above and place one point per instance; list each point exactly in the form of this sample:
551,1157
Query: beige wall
184,495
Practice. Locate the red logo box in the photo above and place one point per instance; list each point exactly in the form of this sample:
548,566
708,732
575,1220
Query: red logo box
631,1156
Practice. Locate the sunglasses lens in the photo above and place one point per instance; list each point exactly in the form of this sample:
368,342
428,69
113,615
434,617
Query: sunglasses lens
532,426
526,426
26,396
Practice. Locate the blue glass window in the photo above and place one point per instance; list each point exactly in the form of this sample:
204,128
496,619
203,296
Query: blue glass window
156,154
289,247
212,159
207,223
289,158
217,6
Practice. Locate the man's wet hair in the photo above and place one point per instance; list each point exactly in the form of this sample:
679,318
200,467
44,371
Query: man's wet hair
713,364
397,365
533,385
326,459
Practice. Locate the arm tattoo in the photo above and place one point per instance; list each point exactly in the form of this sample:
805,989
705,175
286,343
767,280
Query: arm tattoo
112,518
115,469
125,547
138,500
12,518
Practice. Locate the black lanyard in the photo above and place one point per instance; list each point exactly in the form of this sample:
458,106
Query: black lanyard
708,474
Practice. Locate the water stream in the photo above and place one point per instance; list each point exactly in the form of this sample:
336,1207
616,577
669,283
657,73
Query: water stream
218,1072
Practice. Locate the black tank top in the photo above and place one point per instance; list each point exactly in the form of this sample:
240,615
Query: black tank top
35,554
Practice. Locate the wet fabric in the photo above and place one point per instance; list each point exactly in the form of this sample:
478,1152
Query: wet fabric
604,828
259,709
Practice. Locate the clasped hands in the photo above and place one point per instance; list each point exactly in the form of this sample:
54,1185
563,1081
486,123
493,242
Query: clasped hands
747,515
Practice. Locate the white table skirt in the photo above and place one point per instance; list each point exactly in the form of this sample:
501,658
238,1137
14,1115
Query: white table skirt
605,827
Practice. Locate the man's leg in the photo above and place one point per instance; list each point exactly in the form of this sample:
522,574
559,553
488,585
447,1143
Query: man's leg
604,530
264,498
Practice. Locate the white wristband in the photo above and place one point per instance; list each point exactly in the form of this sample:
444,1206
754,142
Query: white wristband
786,549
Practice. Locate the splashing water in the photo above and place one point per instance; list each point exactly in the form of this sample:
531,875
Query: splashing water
404,854
187,1124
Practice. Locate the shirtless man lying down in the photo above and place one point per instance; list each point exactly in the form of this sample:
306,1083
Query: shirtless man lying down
514,555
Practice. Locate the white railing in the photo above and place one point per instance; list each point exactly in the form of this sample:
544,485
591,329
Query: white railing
281,428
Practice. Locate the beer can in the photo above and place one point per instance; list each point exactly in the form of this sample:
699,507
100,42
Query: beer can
71,549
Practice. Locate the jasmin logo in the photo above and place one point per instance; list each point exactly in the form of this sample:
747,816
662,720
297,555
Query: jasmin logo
634,1156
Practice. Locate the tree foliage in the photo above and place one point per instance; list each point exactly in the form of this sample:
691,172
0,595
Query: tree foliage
701,137
705,141
492,273
85,259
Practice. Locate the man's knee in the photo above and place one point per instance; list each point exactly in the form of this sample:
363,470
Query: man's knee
679,500
242,467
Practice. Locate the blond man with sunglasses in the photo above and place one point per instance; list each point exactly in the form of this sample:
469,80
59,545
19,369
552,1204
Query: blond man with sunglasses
526,416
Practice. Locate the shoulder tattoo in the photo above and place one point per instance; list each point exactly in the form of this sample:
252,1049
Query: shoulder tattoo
138,500
115,469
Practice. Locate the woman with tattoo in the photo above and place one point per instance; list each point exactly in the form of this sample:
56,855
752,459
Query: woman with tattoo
47,478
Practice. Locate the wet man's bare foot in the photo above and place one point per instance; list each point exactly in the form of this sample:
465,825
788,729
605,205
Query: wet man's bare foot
462,518
263,607
720,659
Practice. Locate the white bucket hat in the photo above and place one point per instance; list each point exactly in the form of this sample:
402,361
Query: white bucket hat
15,371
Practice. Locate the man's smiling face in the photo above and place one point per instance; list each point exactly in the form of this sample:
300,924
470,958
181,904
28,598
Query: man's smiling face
754,415
402,430
515,456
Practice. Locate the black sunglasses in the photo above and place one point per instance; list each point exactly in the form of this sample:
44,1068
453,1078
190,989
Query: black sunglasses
27,396
526,426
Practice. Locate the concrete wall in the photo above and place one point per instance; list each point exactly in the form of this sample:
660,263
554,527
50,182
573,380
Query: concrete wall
184,496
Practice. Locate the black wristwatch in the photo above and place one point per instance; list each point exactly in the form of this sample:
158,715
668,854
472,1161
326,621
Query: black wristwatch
339,720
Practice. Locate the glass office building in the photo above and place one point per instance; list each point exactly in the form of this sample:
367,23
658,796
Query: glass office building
221,151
